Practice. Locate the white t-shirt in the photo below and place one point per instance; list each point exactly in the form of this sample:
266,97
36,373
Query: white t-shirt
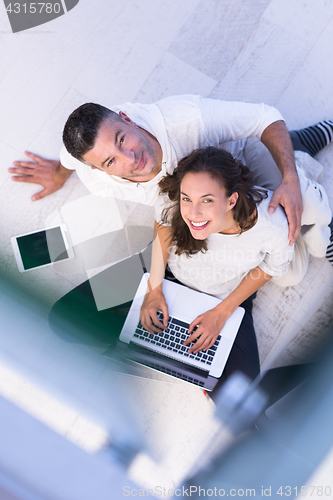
230,257
180,124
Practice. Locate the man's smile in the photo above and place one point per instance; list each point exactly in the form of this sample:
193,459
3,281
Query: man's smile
141,163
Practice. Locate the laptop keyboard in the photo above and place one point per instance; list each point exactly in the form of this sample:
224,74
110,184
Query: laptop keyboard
172,339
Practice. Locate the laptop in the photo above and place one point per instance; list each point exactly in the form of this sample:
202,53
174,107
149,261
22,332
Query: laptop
165,351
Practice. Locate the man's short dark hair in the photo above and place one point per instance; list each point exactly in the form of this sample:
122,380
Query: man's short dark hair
82,127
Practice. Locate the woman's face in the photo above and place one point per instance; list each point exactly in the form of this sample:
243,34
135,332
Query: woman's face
205,207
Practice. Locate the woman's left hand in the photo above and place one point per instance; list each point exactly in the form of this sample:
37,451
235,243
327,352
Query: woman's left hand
209,325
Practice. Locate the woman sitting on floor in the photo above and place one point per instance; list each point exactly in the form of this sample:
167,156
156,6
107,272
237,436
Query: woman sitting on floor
217,236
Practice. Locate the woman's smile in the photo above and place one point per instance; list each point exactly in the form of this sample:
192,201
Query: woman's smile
199,225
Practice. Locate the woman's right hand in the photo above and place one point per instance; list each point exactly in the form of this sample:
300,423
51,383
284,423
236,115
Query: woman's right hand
154,301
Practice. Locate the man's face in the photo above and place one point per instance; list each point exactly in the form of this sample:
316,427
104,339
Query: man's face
123,149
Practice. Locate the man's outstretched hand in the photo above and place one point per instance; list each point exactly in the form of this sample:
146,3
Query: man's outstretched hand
48,173
288,194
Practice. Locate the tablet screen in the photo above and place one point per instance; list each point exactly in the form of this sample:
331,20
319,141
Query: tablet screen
41,248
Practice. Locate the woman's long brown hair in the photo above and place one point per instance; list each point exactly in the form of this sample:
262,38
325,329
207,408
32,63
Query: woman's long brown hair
230,173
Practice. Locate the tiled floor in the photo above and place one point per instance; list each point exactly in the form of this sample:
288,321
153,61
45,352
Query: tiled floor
275,51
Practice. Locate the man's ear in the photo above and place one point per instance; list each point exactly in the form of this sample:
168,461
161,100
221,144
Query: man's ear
126,118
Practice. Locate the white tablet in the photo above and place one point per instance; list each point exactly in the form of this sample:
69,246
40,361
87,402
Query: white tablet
42,248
